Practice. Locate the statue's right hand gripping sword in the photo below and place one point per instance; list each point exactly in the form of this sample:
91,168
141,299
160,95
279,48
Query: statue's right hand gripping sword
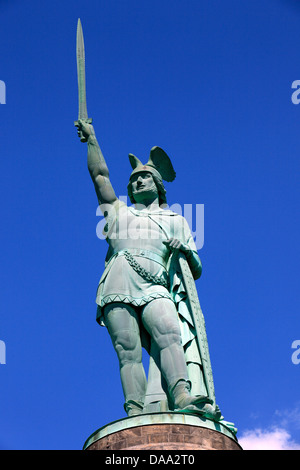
82,113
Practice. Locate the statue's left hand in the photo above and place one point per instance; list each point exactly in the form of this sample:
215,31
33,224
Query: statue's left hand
175,244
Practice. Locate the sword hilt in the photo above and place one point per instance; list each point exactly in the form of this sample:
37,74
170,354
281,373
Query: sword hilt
76,124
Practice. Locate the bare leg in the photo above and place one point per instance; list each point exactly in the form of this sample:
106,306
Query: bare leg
160,319
122,323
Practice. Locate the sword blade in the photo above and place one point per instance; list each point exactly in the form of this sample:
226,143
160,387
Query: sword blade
80,54
82,113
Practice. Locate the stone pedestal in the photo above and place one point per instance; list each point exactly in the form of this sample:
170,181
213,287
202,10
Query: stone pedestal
163,431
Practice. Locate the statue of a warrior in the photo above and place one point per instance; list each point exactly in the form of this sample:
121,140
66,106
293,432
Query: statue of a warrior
146,296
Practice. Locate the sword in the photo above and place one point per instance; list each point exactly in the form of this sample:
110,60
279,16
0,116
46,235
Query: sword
82,113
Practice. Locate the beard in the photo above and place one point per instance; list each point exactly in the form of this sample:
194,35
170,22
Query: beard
145,194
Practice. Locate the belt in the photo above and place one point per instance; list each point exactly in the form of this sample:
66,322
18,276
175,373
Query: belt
129,255
145,254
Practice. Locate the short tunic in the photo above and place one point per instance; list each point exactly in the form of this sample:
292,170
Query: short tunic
141,233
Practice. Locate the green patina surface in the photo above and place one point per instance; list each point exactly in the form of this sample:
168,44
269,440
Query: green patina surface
146,296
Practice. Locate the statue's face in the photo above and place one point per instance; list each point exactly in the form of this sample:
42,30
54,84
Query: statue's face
143,187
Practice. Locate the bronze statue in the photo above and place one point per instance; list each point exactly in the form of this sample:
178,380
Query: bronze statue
146,296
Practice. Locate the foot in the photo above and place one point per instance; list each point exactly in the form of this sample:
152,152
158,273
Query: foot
133,408
206,410
182,398
187,400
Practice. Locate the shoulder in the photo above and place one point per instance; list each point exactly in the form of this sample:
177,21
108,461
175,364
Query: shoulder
168,213
112,207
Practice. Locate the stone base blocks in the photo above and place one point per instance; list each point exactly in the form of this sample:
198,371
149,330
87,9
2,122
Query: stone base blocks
163,431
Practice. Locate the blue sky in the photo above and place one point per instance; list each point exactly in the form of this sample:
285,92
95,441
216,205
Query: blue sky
209,82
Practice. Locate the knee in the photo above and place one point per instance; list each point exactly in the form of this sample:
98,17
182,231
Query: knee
167,331
128,348
167,334
169,339
161,321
